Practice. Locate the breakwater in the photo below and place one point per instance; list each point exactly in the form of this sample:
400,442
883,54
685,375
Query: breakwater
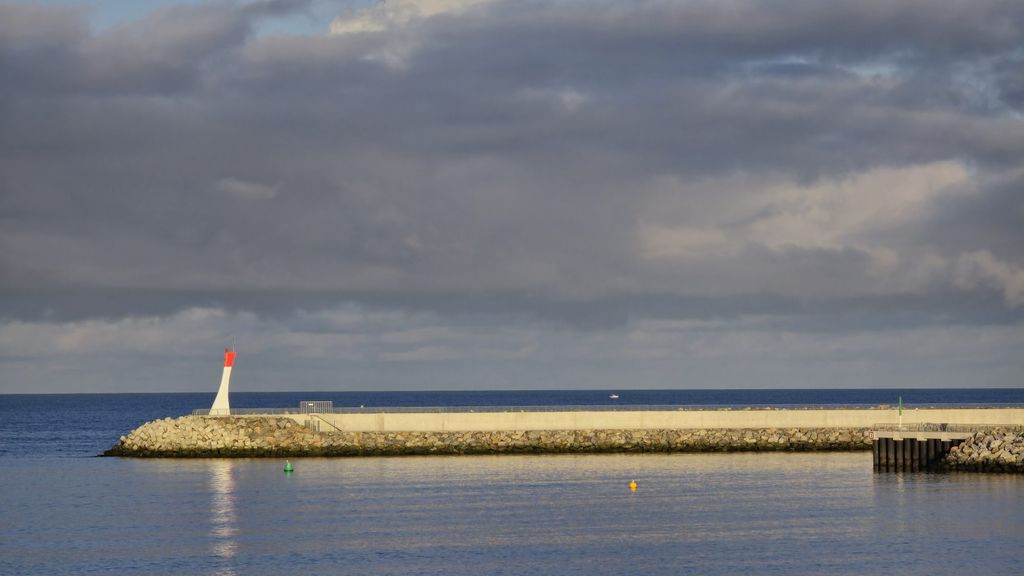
995,450
329,432
258,436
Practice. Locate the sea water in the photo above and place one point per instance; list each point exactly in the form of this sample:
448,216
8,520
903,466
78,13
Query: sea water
64,511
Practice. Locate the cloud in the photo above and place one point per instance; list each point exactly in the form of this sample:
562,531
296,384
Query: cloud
827,213
974,269
549,154
382,16
572,166
246,190
358,348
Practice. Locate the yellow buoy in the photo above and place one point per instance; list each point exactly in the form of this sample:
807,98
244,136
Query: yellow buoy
632,485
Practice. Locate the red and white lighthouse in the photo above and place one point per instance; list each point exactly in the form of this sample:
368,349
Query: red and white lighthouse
221,407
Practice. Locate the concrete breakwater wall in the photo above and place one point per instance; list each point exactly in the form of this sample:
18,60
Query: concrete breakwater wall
667,419
997,450
255,436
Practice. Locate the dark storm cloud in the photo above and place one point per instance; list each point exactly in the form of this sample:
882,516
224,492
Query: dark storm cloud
512,158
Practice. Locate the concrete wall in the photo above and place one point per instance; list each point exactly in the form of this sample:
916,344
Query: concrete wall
662,420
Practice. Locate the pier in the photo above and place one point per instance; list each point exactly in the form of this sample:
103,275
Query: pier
922,447
915,447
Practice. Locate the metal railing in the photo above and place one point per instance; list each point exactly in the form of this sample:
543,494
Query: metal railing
317,419
316,406
942,427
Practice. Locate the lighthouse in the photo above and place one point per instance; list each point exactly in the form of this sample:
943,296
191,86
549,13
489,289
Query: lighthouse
221,407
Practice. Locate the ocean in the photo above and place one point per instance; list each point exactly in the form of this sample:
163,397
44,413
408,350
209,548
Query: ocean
65,511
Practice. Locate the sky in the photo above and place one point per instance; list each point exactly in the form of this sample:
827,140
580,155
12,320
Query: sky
528,194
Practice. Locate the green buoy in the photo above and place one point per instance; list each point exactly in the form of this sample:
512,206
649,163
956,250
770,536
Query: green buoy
288,466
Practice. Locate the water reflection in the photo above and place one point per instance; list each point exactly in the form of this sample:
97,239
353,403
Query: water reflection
223,520
573,515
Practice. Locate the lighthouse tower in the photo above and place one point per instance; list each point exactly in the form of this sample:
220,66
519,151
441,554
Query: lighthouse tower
220,403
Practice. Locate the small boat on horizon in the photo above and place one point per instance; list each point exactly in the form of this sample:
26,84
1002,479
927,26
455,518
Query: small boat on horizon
614,396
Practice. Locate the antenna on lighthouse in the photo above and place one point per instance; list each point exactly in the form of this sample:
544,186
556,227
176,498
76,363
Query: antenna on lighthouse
221,407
